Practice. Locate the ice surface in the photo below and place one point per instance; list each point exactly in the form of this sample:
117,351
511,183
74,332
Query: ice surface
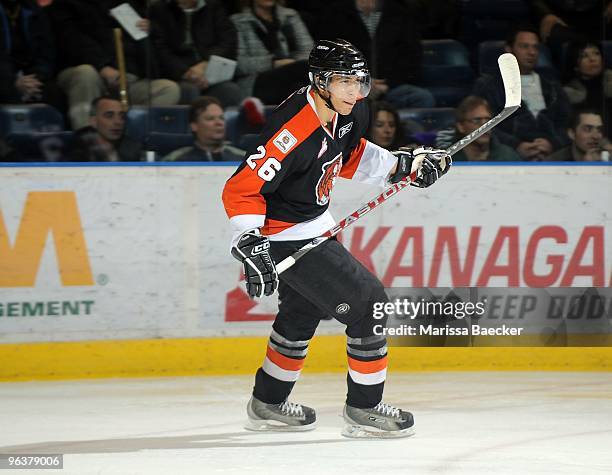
466,423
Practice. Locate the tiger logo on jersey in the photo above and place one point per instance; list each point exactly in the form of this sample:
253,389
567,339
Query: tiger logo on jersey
325,184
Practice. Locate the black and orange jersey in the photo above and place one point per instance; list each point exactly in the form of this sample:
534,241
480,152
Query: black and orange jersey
284,184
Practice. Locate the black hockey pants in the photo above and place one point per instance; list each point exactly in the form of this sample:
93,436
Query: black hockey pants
326,281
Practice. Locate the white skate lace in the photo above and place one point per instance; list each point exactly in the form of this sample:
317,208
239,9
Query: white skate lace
387,410
291,409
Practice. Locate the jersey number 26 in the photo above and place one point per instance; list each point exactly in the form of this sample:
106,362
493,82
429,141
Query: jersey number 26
267,170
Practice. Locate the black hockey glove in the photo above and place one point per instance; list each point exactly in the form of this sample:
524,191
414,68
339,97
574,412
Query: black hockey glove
429,163
259,270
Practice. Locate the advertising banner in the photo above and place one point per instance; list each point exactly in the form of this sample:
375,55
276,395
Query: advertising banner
120,252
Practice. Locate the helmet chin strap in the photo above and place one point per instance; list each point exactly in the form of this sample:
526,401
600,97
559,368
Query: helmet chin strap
326,100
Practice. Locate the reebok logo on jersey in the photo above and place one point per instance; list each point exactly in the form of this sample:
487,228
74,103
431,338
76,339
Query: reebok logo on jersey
325,184
323,147
345,129
285,141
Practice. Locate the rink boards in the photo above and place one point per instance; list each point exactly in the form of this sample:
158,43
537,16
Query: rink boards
110,270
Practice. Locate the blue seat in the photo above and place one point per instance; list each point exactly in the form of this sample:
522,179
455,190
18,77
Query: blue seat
142,120
449,96
163,143
434,119
489,51
40,146
236,125
446,71
446,56
232,129
25,118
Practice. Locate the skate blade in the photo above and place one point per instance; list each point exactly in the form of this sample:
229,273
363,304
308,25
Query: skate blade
365,432
275,426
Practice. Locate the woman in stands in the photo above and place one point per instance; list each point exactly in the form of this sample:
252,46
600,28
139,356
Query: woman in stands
588,84
385,126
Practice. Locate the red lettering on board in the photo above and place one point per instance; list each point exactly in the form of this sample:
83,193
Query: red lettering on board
396,269
509,234
461,276
595,270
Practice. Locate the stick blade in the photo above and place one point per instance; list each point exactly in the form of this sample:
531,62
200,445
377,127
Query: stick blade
511,76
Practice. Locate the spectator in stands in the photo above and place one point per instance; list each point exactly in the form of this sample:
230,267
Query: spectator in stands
562,21
104,140
208,126
390,39
187,33
471,113
273,48
27,55
588,84
586,134
83,29
537,128
385,126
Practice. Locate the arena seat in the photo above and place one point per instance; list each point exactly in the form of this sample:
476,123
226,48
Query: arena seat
40,146
232,131
142,120
433,119
26,118
236,125
446,71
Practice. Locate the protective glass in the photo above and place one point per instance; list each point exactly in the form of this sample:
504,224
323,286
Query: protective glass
344,84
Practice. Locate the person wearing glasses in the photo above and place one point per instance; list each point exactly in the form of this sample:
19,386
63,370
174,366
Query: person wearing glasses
471,113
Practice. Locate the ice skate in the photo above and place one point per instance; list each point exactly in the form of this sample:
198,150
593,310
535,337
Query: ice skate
286,416
382,422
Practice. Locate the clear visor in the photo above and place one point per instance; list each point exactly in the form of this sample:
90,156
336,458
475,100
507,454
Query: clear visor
355,85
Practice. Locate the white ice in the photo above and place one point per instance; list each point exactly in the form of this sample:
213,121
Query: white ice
466,423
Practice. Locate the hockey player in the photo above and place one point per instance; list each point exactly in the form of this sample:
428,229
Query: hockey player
277,201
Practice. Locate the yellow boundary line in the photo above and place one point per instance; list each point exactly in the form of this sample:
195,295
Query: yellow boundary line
242,355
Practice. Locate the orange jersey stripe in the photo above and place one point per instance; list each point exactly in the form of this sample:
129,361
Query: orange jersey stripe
284,361
273,226
242,192
350,167
367,367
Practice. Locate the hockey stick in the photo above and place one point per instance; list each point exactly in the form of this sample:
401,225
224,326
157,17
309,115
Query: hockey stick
511,77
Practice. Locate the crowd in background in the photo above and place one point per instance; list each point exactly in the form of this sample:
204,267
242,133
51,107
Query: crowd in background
62,53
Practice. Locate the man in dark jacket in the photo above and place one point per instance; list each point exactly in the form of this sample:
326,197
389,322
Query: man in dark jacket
187,33
84,31
27,55
104,140
538,127
390,39
207,122
587,140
